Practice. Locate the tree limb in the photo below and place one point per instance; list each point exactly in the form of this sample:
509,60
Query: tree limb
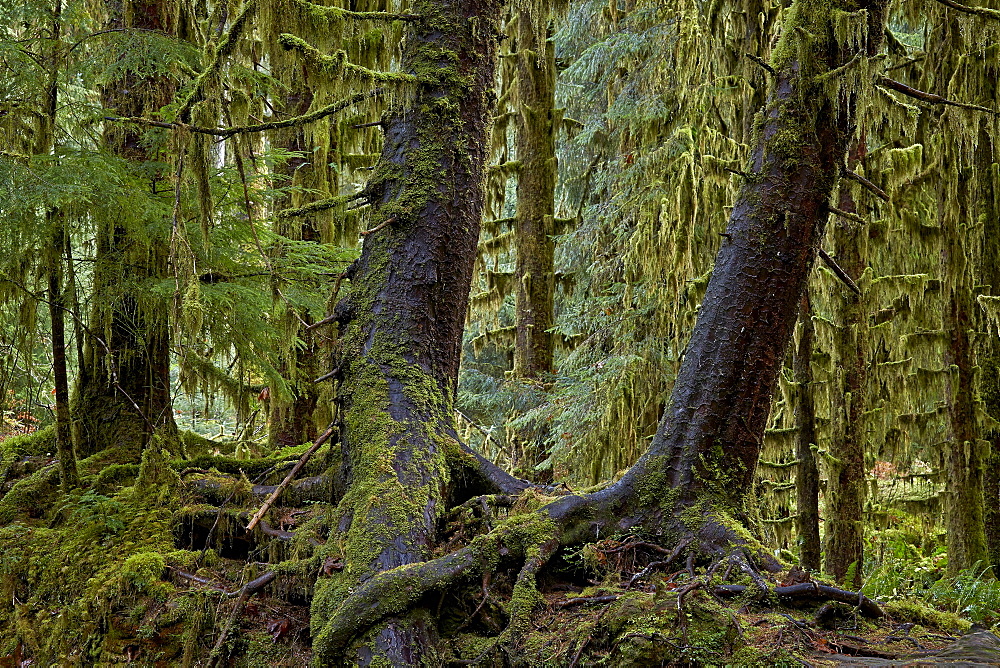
975,11
930,98
259,127
874,189
841,274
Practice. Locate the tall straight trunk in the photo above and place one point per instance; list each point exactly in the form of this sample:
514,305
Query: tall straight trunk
845,491
806,472
403,323
965,450
68,475
291,422
535,227
123,395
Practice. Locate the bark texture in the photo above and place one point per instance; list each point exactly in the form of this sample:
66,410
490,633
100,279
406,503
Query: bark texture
404,320
806,473
536,182
845,494
123,392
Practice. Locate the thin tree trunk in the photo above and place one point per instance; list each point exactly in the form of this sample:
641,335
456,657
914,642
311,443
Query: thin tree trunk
806,473
845,491
536,182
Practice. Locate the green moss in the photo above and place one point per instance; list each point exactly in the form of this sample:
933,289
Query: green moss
918,612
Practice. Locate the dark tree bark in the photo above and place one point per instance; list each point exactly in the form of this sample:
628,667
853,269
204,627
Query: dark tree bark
845,493
406,315
404,320
68,474
806,472
536,182
123,393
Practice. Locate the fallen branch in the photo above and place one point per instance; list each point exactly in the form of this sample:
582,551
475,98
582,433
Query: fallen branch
580,600
812,591
841,274
246,590
323,438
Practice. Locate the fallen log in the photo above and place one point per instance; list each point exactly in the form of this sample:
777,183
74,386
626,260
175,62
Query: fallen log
812,591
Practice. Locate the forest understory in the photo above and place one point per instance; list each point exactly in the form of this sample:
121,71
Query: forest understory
472,332
153,565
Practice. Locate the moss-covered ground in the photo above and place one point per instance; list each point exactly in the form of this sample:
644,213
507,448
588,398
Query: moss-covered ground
141,566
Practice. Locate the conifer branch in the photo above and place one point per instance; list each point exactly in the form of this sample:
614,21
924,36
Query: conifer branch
337,14
225,133
975,11
224,48
112,30
878,192
930,98
841,274
338,64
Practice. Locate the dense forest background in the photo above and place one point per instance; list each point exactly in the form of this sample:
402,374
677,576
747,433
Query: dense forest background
187,189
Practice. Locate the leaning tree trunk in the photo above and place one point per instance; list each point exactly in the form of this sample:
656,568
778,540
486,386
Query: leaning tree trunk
696,478
690,488
403,322
123,393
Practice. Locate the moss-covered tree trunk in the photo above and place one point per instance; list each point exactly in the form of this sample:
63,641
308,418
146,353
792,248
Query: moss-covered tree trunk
123,393
403,324
705,452
536,182
68,475
806,472
291,422
965,450
845,493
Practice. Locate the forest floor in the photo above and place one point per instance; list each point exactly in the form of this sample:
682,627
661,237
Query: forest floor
151,565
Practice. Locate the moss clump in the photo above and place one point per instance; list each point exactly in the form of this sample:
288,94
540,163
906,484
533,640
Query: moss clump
918,612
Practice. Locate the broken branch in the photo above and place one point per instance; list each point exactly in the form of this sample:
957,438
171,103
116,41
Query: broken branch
841,274
878,192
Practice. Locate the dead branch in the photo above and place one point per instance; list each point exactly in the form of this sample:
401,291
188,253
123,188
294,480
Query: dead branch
975,11
580,600
225,133
323,438
385,223
878,192
841,274
763,63
812,591
846,215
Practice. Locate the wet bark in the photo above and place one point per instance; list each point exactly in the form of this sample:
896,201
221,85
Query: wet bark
845,492
403,323
536,181
806,473
123,392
